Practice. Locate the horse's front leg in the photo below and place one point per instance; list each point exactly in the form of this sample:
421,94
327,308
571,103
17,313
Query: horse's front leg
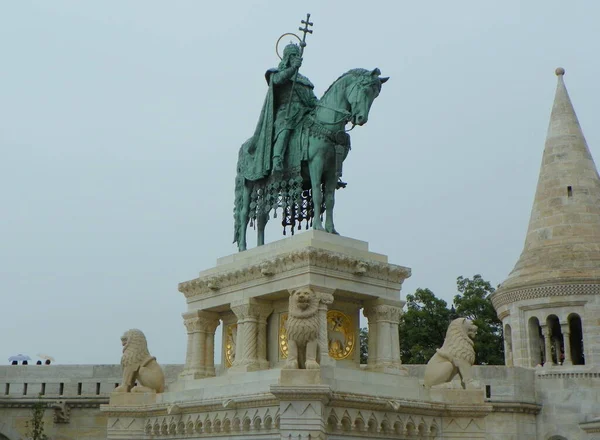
330,185
315,169
261,222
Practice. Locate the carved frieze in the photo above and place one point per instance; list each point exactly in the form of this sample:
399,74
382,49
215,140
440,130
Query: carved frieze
305,257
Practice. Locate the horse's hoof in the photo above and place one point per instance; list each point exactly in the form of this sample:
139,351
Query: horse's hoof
318,227
332,231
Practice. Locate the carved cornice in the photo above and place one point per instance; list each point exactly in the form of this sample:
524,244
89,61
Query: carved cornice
509,296
591,427
517,407
305,257
568,374
243,402
21,402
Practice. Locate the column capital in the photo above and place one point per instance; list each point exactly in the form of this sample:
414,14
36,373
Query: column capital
251,308
382,312
201,320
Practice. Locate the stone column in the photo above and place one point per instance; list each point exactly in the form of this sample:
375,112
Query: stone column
264,310
547,331
567,340
200,325
384,341
557,349
250,353
211,327
325,299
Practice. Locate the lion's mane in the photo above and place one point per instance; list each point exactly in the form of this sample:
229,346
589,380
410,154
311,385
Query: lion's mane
135,350
458,344
303,325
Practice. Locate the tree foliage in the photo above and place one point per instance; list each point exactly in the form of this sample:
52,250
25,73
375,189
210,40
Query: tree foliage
425,321
364,345
423,326
473,302
35,426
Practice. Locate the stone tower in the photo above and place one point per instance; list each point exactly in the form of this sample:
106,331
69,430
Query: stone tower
550,302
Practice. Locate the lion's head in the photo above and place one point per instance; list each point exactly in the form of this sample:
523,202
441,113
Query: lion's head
303,303
459,339
135,348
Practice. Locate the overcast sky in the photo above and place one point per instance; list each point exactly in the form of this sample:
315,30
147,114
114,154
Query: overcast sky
120,124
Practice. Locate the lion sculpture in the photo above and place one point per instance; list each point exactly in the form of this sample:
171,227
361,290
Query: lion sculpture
139,366
456,356
302,328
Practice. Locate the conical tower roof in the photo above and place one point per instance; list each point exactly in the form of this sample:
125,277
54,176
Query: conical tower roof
563,239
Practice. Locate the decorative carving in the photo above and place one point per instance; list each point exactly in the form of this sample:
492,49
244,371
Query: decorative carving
500,297
456,356
139,366
340,334
62,412
305,257
230,341
302,328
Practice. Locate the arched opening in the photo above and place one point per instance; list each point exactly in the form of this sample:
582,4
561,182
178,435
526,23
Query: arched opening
557,437
555,343
576,339
536,345
508,351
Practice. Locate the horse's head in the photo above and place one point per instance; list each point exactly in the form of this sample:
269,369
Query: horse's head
362,92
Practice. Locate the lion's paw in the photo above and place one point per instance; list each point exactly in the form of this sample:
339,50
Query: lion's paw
312,365
291,365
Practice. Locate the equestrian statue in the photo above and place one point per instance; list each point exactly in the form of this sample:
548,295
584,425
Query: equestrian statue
293,162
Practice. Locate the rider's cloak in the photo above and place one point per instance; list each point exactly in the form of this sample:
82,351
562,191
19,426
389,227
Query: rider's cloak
255,157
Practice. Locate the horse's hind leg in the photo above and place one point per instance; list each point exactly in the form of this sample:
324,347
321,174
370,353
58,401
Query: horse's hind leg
330,185
315,169
261,222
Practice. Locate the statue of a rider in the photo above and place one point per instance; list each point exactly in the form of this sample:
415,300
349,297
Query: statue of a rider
289,98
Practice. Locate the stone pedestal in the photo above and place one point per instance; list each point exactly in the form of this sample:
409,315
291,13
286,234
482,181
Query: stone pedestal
253,396
250,292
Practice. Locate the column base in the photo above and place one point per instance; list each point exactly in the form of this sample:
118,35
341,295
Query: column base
195,374
255,366
398,370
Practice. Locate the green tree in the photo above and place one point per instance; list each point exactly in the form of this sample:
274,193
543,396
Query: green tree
473,302
35,426
423,326
364,345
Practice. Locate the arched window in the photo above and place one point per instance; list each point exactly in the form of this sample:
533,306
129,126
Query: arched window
576,339
557,354
508,351
536,345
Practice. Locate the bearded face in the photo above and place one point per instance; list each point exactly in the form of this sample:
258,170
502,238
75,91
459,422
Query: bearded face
303,298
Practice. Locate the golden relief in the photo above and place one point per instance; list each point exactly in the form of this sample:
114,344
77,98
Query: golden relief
230,338
283,345
340,334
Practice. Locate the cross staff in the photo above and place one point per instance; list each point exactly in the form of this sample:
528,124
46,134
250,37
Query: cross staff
305,30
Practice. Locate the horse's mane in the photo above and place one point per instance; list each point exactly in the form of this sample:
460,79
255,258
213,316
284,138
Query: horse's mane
352,72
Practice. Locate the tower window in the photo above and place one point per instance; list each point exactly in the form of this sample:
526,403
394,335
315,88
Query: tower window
569,191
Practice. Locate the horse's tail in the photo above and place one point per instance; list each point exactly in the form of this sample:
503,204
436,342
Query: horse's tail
237,203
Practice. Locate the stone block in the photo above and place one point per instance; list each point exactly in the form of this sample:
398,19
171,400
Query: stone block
300,377
132,399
